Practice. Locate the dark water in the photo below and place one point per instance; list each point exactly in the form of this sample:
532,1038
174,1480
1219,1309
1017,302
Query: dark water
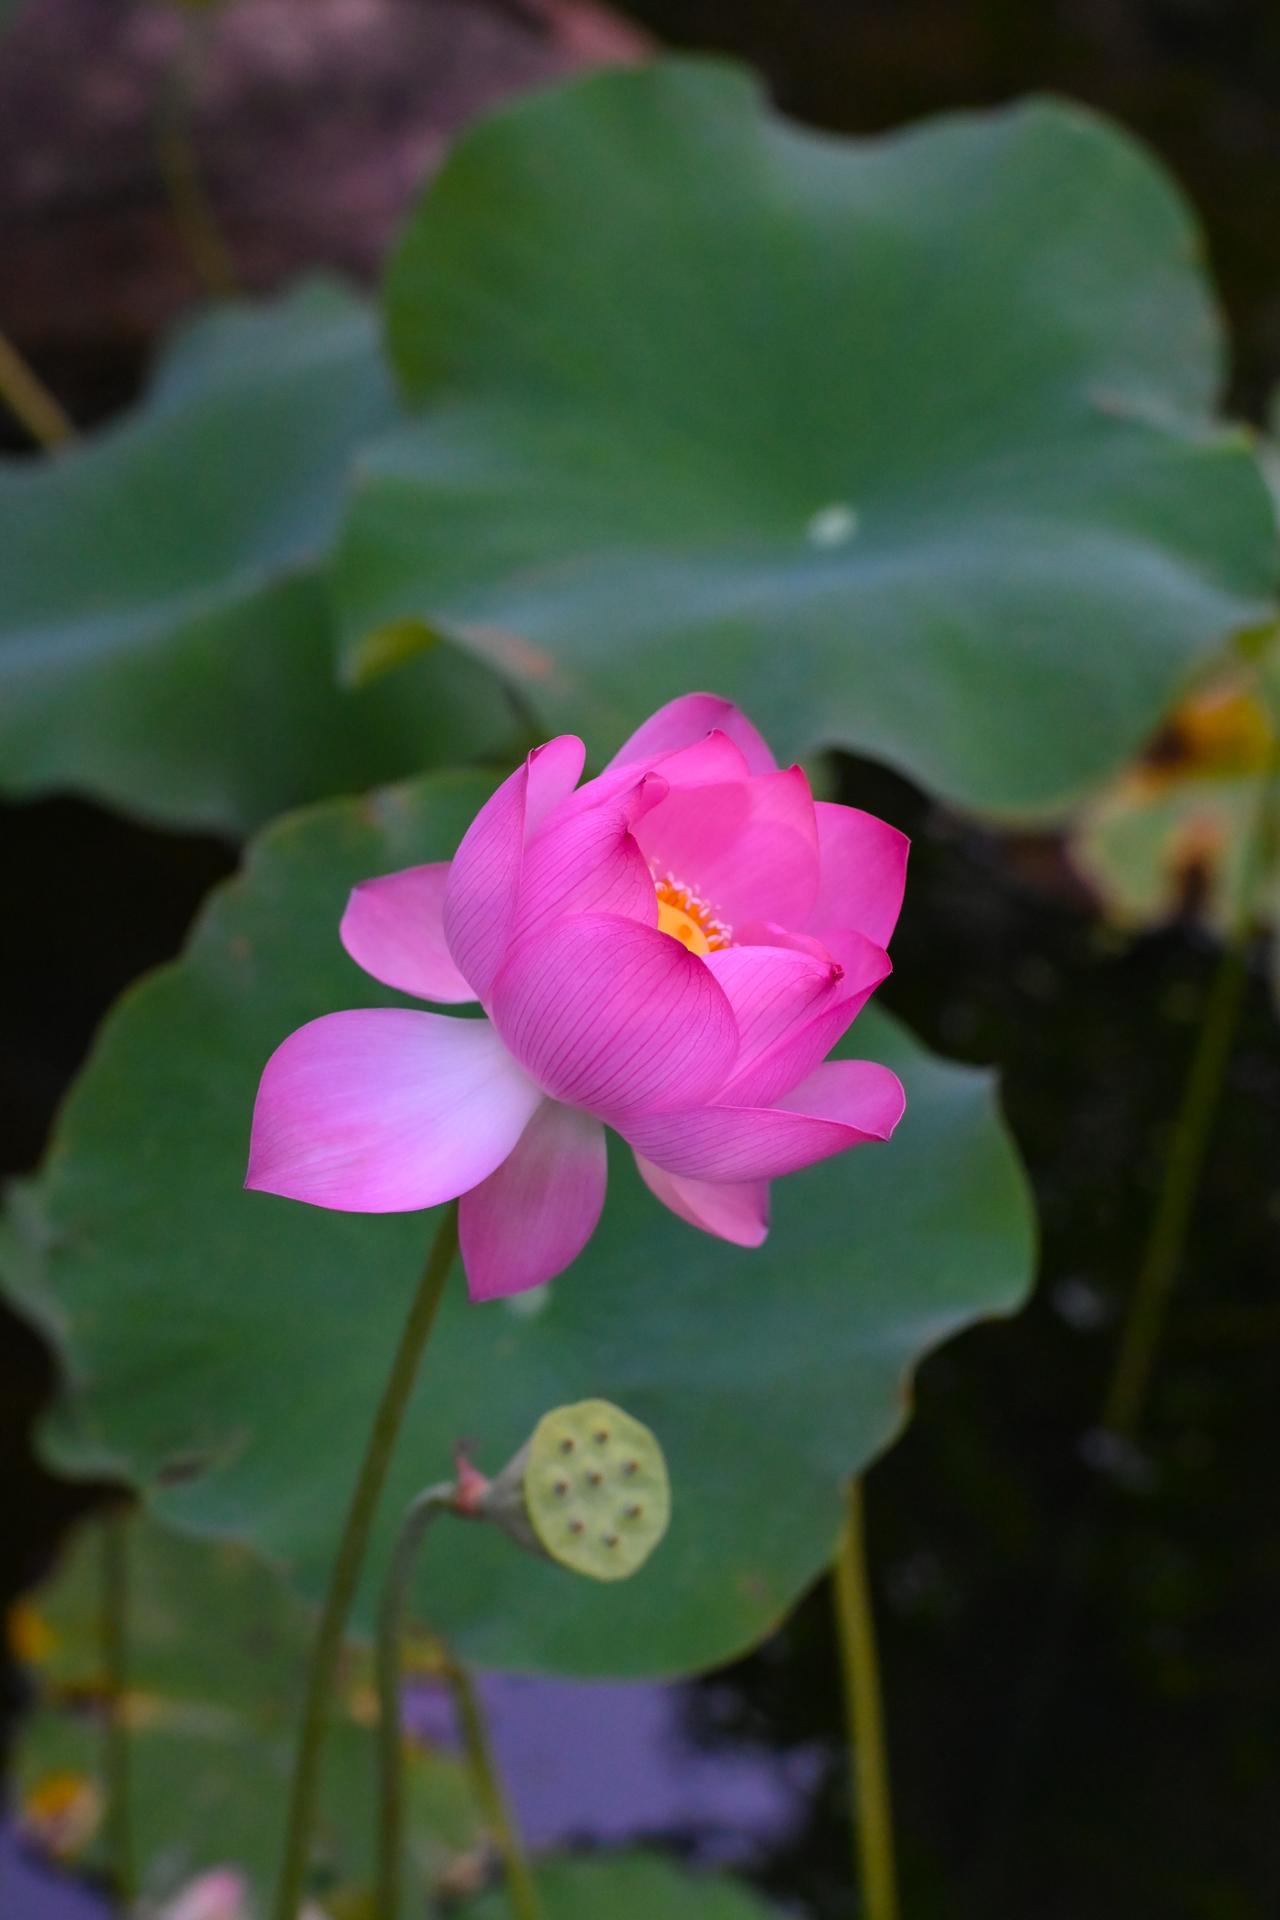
1083,1677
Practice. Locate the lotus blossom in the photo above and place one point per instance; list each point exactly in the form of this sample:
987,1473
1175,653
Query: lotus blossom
670,950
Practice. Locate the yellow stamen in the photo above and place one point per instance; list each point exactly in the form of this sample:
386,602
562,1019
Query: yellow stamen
688,918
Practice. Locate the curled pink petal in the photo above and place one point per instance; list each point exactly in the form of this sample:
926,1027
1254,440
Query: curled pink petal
791,1007
535,1213
484,877
606,1013
683,722
843,1103
586,860
772,990
737,1211
393,928
386,1111
713,761
748,848
863,871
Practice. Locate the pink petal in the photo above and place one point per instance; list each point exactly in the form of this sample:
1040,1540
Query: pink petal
791,1008
841,1104
686,720
750,848
586,860
772,990
536,1212
736,1211
713,760
863,870
607,1014
484,877
393,928
386,1111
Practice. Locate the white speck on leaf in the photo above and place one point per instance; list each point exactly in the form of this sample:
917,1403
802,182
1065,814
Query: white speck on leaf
528,1305
832,526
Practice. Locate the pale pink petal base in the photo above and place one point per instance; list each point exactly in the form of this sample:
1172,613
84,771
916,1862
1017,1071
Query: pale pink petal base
535,1213
393,928
735,1211
386,1111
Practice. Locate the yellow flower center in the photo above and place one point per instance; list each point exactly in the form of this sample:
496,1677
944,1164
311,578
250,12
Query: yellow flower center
688,918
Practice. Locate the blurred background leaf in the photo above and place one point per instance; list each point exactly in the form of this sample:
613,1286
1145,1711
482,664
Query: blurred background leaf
164,642
188,1313
1177,833
216,1648
906,442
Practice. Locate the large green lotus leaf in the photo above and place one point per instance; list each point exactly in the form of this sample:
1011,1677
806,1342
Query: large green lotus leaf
636,1886
226,1349
217,1644
903,442
164,642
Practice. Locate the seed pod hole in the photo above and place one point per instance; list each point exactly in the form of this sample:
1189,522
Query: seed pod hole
580,1519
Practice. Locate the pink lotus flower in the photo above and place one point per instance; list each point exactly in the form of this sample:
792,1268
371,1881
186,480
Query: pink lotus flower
671,950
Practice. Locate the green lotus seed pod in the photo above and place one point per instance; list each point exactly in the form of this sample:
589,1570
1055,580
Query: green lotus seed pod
596,1489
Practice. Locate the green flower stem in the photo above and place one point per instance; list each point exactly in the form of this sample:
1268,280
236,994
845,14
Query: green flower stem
864,1716
488,1784
346,1567
391,1625
189,200
113,1631
1184,1164
30,401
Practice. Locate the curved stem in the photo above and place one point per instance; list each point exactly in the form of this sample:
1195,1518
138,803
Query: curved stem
346,1567
864,1715
189,199
113,1628
391,1623
488,1783
1184,1164
30,401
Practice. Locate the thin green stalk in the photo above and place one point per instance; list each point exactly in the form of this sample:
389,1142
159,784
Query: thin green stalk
488,1784
1184,1165
391,1626
30,401
345,1572
113,1632
864,1715
189,200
